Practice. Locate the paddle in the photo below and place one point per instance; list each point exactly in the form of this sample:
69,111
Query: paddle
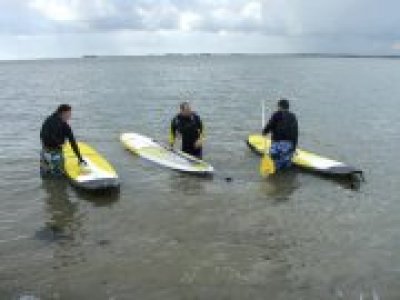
181,154
267,165
186,156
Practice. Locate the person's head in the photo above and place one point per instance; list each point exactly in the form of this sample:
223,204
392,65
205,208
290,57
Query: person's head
64,111
283,104
185,109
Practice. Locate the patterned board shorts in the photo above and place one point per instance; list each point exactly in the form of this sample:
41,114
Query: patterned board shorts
282,153
51,163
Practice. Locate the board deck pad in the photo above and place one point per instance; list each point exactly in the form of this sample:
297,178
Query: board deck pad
155,152
97,174
304,159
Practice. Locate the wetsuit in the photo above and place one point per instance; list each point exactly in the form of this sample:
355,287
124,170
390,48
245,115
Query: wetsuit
284,135
191,129
53,134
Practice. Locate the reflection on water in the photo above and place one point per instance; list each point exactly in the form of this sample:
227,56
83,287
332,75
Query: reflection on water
187,184
348,182
99,198
62,206
62,221
281,186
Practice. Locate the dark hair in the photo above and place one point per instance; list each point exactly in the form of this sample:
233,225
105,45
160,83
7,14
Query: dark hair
183,104
63,108
283,104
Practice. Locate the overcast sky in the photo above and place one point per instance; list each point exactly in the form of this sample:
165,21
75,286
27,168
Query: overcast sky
65,28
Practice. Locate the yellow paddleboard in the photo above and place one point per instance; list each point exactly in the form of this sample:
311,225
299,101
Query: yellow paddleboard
97,174
304,159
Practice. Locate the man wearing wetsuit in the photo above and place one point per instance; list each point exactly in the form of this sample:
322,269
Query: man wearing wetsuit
55,130
284,130
190,127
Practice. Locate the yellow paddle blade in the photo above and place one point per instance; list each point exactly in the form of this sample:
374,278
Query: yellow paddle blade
267,166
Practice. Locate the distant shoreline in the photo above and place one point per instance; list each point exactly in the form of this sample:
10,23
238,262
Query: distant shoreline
303,55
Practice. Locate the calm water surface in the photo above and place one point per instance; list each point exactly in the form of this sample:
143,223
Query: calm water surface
173,236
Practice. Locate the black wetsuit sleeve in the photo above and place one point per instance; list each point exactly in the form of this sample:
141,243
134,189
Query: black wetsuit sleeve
70,136
270,125
44,134
173,130
201,127
296,133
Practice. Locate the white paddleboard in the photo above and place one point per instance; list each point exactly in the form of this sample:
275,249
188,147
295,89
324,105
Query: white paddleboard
153,151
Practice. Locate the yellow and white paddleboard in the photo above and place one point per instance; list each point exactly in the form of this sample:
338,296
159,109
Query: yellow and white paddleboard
153,151
97,174
304,159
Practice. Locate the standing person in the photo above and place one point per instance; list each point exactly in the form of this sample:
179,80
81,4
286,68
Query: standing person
283,127
55,130
190,127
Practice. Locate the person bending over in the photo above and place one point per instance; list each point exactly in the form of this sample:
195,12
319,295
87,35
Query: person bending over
55,130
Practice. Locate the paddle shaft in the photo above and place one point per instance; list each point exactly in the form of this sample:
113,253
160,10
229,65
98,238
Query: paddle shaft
187,157
266,164
263,123
191,159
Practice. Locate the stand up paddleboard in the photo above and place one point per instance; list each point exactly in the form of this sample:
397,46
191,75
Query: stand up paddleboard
153,151
96,175
304,159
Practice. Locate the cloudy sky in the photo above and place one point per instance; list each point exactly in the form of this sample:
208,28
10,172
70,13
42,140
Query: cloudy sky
68,28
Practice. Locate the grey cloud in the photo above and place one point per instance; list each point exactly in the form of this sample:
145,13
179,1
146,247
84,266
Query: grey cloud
272,17
69,27
369,18
41,16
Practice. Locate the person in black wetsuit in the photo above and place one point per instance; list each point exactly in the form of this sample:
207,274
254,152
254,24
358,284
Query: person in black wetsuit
55,130
190,127
283,127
